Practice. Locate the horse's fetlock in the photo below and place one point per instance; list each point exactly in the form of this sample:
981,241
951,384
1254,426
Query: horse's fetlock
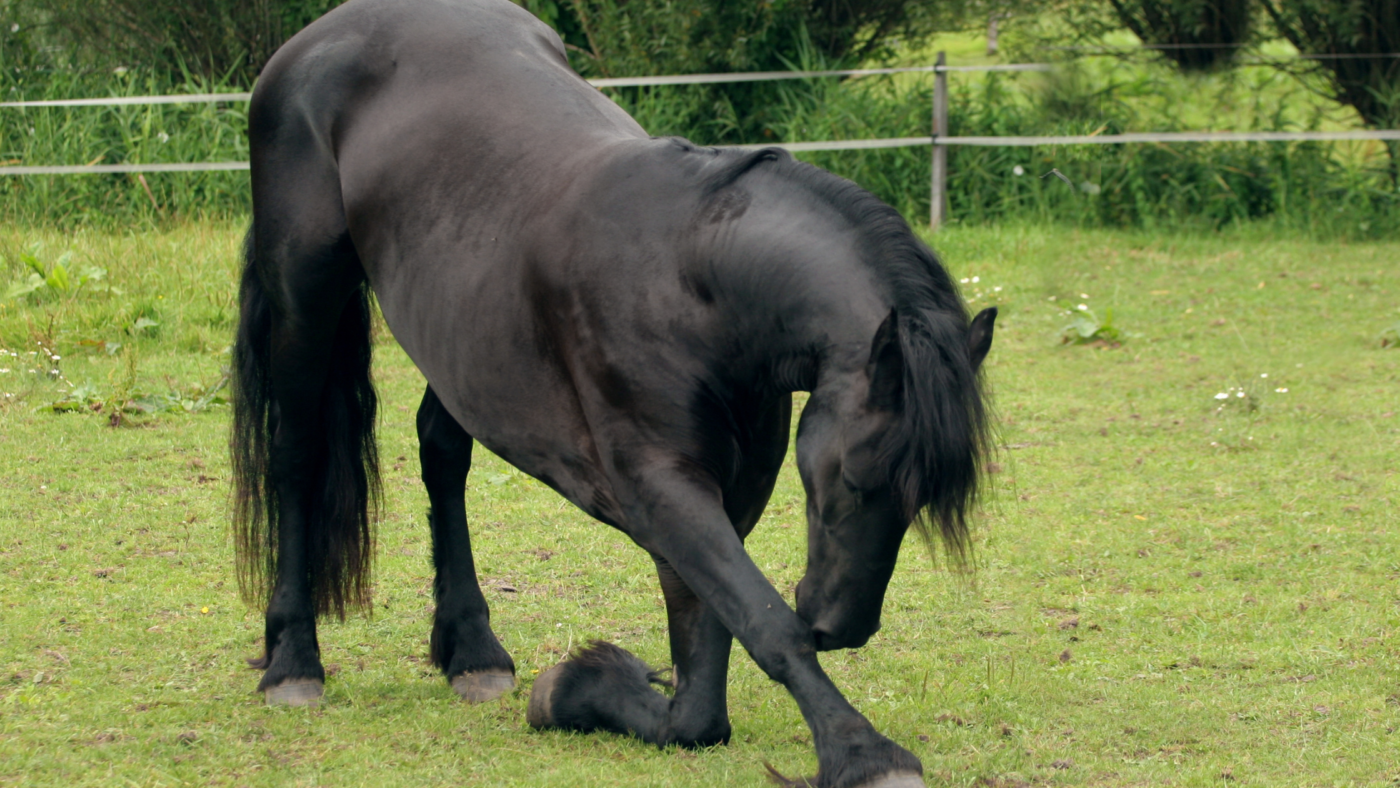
291,651
467,645
863,757
709,735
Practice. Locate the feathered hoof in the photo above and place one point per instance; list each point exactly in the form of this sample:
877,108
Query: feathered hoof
896,780
891,780
540,712
295,692
484,685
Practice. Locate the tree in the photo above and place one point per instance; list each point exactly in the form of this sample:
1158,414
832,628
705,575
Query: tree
1196,35
1355,42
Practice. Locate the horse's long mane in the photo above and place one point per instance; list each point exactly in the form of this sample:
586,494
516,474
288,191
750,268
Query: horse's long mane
936,452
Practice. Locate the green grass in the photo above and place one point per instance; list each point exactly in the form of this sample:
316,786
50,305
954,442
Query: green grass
1170,590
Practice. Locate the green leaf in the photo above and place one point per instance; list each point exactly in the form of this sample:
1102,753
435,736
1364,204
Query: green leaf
24,288
150,403
58,279
34,264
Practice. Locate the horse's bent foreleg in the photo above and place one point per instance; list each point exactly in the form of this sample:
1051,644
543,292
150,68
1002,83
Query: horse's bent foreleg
600,688
463,645
699,714
606,688
677,517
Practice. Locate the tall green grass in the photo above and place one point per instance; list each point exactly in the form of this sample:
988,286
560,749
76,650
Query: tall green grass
119,135
1331,189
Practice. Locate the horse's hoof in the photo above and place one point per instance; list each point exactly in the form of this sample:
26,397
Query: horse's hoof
540,711
295,692
896,780
484,685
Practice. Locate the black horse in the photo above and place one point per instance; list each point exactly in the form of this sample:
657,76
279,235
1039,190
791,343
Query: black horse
622,317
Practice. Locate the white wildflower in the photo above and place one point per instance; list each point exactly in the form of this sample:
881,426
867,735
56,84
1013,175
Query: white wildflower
1018,170
1083,307
1280,391
1222,395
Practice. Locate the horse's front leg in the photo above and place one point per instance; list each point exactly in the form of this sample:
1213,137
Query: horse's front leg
604,687
462,644
683,520
698,715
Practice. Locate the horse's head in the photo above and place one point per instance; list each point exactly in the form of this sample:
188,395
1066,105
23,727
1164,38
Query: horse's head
878,447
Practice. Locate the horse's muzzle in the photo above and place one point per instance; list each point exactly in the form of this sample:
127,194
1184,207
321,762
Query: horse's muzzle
828,640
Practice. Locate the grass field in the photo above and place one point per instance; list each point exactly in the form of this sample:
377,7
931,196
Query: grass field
1171,588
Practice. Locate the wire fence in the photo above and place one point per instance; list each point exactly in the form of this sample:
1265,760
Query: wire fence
939,139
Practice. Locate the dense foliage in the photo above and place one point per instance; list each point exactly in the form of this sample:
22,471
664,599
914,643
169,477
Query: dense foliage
1196,35
209,38
1356,42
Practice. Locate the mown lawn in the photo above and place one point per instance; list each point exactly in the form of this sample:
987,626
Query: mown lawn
1171,588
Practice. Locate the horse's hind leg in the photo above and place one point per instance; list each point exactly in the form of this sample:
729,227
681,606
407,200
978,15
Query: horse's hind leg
303,441
463,645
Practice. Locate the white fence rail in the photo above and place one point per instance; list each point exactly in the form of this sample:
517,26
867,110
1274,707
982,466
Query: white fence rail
939,140
128,101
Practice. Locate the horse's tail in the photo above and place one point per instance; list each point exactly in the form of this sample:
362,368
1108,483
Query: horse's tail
944,435
345,490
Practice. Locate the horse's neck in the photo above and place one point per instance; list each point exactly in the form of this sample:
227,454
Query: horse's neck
807,326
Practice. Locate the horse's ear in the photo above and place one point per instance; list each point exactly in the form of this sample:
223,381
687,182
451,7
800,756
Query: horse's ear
886,366
979,336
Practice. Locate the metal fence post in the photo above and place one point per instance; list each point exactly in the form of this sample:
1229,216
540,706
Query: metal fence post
938,194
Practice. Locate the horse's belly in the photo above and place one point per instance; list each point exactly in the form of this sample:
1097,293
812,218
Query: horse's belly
472,339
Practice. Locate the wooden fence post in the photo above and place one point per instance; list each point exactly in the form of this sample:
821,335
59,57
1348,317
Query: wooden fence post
938,196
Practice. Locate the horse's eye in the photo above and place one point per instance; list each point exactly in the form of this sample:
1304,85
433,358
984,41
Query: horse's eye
852,488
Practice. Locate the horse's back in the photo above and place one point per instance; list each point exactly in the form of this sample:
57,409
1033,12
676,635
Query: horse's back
440,99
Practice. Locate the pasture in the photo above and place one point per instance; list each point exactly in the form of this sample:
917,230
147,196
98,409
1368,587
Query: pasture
1170,586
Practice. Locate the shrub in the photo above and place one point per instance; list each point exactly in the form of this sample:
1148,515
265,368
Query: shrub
209,38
